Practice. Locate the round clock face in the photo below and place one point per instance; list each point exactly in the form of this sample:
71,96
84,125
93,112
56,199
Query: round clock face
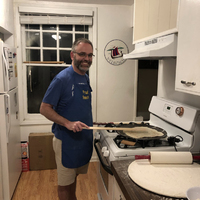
114,51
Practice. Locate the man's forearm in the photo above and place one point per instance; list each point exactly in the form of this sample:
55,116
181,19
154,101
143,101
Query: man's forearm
48,111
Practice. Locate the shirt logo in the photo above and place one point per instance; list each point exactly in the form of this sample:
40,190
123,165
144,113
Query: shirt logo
85,94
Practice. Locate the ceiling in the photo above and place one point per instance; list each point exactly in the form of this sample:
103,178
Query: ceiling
107,2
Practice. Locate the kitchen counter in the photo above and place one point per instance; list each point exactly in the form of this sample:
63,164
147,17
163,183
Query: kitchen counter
130,189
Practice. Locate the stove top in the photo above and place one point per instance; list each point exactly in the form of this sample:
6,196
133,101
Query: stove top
176,138
182,132
126,143
123,141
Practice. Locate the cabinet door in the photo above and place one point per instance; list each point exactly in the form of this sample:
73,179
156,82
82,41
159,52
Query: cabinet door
117,193
188,59
140,11
164,15
154,18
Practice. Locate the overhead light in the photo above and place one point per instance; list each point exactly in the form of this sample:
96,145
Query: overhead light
55,37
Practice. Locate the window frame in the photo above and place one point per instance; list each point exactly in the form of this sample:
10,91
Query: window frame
57,48
31,119
28,116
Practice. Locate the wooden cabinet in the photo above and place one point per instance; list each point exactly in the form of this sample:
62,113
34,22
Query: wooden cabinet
117,193
154,18
188,52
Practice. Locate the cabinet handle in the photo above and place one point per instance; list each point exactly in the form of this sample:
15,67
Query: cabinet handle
188,83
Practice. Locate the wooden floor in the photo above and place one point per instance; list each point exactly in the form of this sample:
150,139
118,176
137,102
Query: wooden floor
42,185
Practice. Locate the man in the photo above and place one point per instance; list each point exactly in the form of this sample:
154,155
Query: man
67,103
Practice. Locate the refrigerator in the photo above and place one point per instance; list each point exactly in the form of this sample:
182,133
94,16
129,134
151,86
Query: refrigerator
10,141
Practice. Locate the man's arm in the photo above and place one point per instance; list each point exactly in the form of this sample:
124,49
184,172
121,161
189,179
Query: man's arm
48,111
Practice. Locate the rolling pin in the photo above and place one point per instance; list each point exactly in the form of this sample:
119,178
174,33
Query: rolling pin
169,157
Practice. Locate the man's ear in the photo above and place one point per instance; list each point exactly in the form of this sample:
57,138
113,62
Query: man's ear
72,55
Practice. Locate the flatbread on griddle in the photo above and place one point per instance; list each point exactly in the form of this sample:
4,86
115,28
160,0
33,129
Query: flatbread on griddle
141,132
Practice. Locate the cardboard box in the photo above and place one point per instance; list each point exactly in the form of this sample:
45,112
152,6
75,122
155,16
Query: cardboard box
41,153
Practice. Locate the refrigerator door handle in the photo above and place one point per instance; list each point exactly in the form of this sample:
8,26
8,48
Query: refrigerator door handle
8,116
6,64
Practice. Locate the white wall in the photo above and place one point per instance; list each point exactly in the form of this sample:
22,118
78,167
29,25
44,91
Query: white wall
166,84
114,84
7,20
6,16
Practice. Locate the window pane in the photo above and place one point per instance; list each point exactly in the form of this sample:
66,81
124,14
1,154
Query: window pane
81,28
65,27
81,36
49,47
65,40
32,39
65,56
38,80
49,39
32,55
49,27
32,26
49,55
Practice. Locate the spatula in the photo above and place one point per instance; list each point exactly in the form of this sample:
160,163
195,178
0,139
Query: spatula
116,128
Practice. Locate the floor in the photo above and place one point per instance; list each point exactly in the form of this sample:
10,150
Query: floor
42,185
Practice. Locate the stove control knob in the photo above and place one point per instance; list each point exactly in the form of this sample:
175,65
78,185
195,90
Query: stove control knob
104,149
179,111
97,135
106,153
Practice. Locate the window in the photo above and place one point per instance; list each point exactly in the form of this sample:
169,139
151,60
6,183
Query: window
51,42
46,43
46,48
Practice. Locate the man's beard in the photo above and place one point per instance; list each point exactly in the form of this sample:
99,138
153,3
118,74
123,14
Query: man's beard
79,64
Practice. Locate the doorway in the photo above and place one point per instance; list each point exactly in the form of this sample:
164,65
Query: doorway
146,86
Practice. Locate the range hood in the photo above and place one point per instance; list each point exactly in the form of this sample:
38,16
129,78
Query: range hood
157,48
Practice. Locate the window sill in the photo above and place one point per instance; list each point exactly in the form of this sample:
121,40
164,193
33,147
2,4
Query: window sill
30,122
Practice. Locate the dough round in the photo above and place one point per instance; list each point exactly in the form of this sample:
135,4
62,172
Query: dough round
141,132
171,180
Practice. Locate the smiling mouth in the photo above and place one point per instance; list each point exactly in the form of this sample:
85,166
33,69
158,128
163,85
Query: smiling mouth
85,64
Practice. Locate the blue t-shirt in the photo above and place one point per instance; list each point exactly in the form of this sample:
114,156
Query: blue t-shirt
61,93
70,95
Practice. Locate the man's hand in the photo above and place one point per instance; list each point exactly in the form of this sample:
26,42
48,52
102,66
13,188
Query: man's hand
76,126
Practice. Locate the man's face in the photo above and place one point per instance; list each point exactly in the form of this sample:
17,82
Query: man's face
82,57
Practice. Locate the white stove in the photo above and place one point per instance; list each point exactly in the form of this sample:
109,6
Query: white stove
178,120
181,123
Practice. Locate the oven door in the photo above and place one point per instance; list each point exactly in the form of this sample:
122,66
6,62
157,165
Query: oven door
104,175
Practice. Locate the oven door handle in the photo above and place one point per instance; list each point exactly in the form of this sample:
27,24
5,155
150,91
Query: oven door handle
102,158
